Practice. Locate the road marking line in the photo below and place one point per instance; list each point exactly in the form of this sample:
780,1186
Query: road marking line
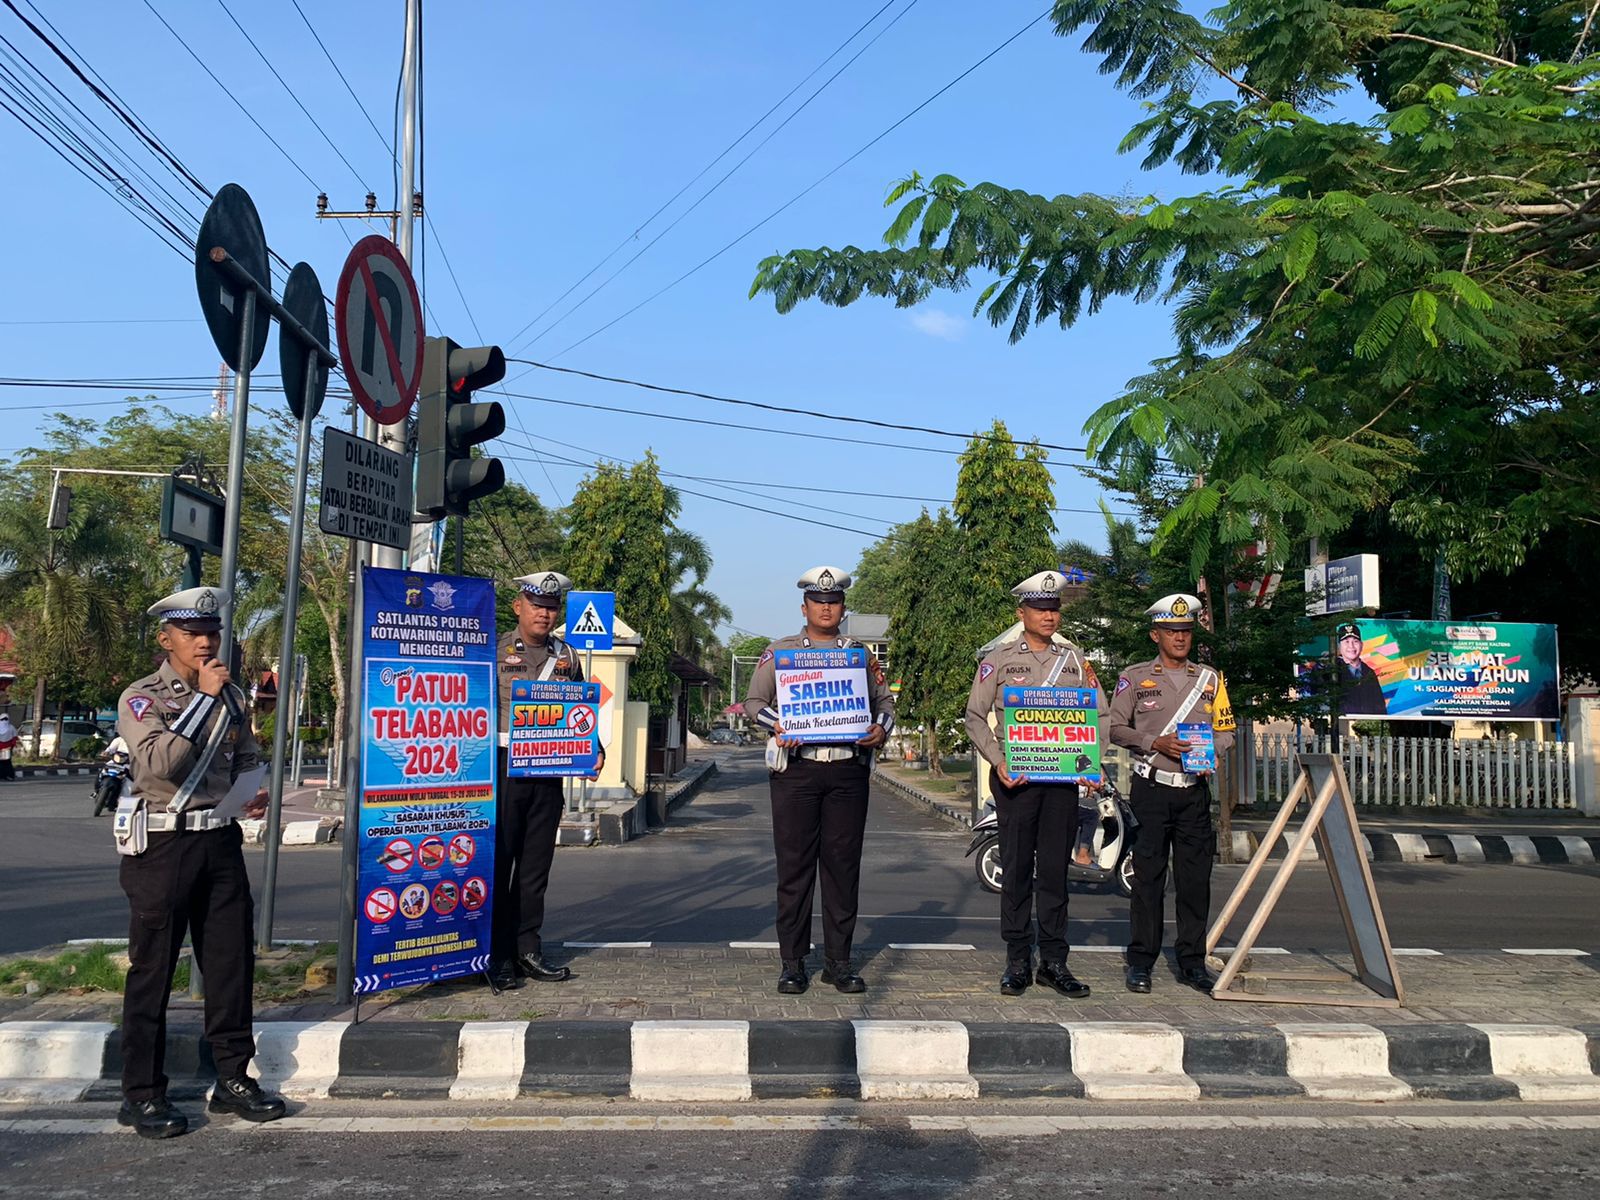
1418,951
930,946
608,945
983,1126
1552,953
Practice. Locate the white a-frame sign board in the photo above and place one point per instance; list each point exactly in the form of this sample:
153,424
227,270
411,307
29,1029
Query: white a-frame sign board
1332,821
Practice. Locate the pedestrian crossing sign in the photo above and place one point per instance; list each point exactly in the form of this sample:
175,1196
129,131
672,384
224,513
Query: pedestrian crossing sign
591,620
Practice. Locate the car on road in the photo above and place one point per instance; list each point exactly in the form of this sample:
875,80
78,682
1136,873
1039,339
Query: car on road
71,730
723,736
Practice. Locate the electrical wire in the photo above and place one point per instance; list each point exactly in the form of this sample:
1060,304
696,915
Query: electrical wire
222,4
799,412
706,195
795,199
337,71
726,150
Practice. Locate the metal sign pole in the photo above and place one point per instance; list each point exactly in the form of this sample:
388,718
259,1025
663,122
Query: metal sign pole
345,976
588,674
236,443
286,712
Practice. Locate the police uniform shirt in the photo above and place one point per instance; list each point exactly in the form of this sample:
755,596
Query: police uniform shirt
763,694
166,724
1146,697
522,659
1014,665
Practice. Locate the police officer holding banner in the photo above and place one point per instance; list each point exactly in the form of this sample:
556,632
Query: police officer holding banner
182,867
819,797
1172,804
528,811
1038,821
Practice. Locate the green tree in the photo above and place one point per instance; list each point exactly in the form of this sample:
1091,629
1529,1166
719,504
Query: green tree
696,609
930,613
1398,312
618,529
1004,498
61,591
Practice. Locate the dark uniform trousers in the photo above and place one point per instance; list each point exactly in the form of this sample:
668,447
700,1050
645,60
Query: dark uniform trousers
529,814
819,816
1175,820
1038,826
187,881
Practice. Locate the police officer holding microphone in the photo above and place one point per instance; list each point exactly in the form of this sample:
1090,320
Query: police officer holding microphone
182,867
819,798
1172,803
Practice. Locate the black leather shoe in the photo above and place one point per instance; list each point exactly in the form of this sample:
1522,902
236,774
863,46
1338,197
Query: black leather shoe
153,1118
794,980
534,966
1058,976
1139,980
244,1098
1017,979
843,976
1196,977
503,976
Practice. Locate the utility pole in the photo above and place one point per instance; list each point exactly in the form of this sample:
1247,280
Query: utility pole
394,436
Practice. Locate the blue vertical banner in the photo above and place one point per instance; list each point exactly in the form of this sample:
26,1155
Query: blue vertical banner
425,842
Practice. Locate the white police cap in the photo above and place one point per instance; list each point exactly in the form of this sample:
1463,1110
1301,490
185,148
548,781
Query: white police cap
544,588
824,581
192,606
1177,611
1042,590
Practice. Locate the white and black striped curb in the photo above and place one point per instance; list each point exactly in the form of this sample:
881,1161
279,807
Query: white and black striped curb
50,1061
56,772
1382,846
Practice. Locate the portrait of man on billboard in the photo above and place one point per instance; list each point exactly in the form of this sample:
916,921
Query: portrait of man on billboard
1360,694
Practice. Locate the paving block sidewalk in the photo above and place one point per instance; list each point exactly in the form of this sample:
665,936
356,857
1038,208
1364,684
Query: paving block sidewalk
715,982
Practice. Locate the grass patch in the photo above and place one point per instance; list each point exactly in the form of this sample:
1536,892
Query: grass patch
81,969
279,975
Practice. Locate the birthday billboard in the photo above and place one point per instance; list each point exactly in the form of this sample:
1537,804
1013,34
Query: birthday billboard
425,842
1439,671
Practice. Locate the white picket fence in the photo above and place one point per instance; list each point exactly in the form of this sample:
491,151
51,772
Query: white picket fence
1430,772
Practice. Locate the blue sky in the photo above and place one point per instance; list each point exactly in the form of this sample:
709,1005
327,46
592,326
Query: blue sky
552,132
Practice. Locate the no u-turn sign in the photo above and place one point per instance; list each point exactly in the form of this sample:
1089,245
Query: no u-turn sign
379,319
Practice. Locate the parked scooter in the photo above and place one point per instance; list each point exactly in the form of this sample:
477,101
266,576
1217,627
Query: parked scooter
108,783
1110,845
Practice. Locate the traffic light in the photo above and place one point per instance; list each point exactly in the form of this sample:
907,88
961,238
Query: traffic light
449,425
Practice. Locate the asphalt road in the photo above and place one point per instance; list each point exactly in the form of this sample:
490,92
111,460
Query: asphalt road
708,877
789,1152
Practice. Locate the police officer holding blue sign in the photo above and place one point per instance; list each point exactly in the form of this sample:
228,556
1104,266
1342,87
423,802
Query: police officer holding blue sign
182,867
1038,821
1171,802
819,796
528,811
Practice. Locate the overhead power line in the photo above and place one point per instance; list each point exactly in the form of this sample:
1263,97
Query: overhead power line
733,170
797,197
799,412
726,150
387,145
298,104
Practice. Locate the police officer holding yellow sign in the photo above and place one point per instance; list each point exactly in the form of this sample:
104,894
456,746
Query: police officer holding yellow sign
1038,821
1172,802
189,737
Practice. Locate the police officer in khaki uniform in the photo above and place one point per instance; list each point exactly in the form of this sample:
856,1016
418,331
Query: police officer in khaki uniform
819,798
529,810
1038,821
1173,806
189,736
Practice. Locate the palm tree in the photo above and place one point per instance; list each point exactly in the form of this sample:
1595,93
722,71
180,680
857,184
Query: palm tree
65,589
696,610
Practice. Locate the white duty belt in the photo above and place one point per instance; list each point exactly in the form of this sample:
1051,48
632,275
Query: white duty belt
826,753
1146,769
190,820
